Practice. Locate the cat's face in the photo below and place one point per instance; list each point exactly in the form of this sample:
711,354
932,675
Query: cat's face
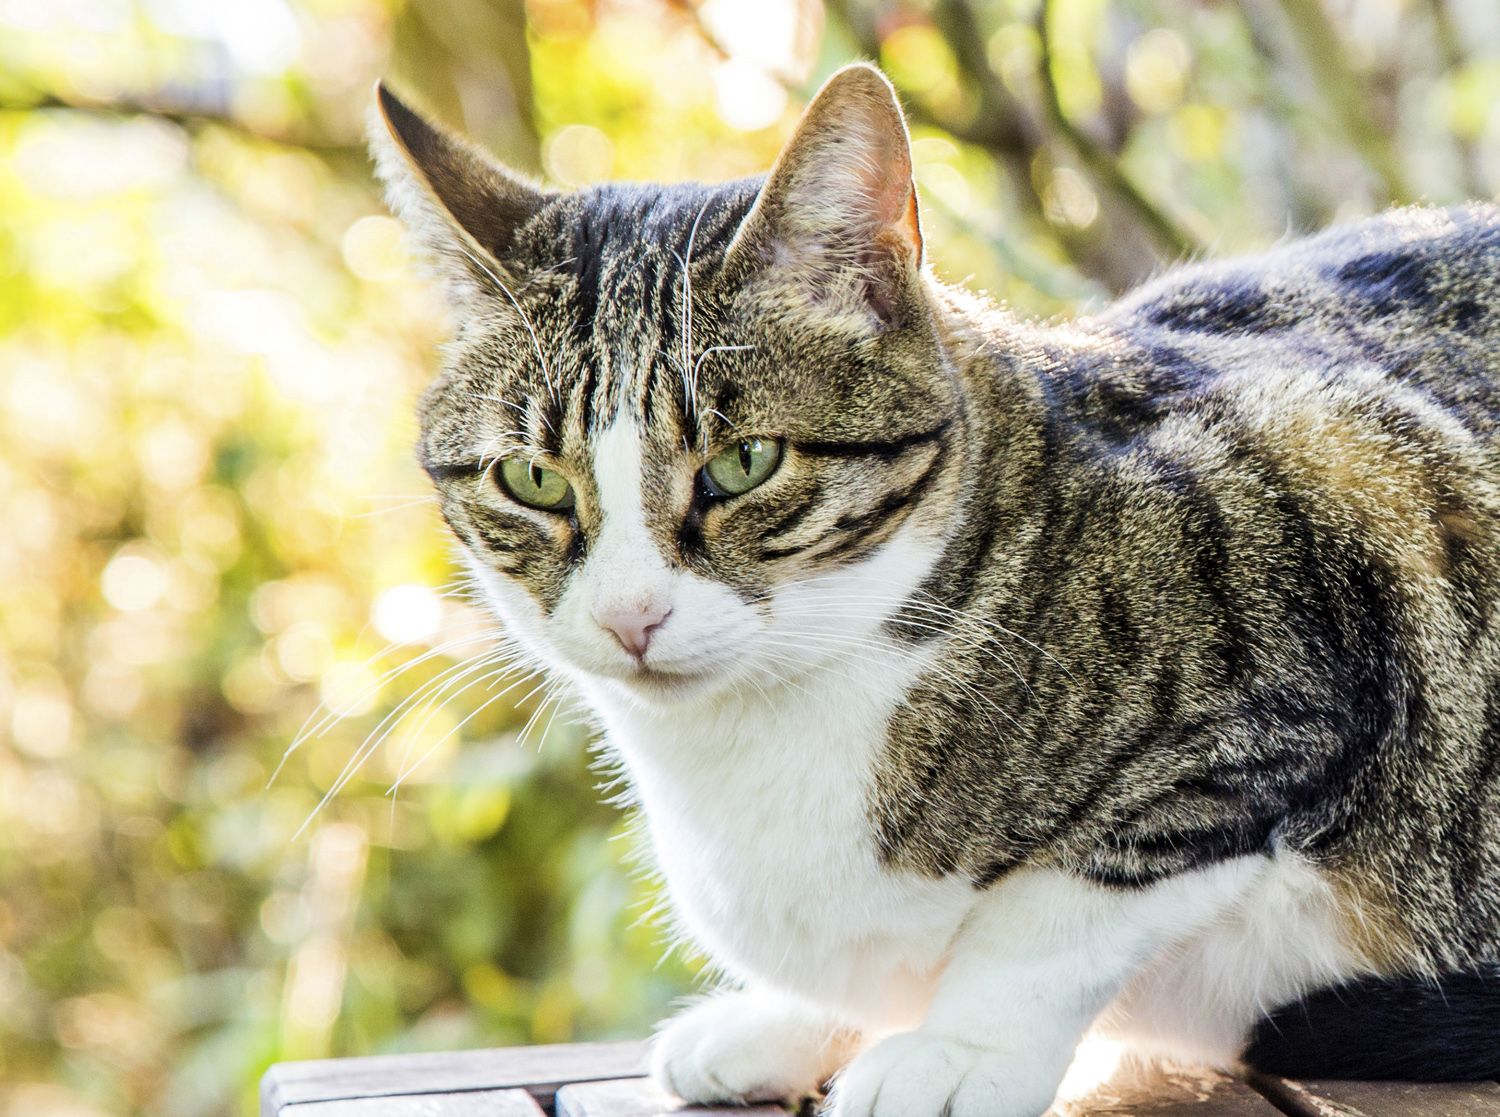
691,438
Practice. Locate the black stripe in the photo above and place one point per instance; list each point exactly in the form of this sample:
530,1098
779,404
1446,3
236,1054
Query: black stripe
1345,614
884,449
771,554
791,519
1115,876
860,527
690,541
451,471
965,583
1166,852
552,421
1116,622
499,533
577,543
1156,735
729,395
648,397
586,257
1206,533
1228,779
991,872
586,395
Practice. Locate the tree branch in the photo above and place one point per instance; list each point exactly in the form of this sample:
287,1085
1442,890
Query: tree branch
1323,51
1001,128
188,116
1453,56
1174,240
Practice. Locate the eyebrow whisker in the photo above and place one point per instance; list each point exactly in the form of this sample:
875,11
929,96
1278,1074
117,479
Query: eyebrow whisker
525,320
685,320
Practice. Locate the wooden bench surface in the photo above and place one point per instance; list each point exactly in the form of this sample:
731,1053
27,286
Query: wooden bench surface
604,1080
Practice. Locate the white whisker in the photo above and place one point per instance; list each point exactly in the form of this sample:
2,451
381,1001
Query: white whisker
685,322
330,717
525,320
378,735
486,704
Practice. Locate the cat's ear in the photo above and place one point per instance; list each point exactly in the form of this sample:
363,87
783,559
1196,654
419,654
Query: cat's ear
463,206
837,218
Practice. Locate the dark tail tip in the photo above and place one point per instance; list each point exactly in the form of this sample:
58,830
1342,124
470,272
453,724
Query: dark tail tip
1404,1028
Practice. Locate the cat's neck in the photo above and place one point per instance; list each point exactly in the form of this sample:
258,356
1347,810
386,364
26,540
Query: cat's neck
1013,439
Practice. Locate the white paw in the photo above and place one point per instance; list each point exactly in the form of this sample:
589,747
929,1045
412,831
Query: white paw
920,1075
746,1047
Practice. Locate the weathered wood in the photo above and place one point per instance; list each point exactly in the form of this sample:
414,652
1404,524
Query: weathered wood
637,1097
1131,1094
1384,1099
1137,1092
604,1080
538,1070
470,1103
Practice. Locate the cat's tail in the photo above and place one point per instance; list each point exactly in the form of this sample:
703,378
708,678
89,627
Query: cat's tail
1435,1030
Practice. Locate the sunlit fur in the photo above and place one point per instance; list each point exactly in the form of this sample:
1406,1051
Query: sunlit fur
1139,671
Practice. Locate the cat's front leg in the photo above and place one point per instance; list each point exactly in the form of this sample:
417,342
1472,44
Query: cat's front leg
749,1045
1041,955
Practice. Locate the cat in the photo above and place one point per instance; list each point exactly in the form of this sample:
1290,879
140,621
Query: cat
980,681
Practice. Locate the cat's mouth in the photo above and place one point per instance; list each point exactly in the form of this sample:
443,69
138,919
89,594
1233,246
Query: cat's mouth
663,683
657,676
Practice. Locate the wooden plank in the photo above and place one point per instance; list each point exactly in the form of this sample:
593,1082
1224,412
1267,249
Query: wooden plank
1383,1099
471,1103
637,1097
538,1070
1134,1091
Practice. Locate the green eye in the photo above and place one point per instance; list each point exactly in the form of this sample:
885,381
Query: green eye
536,486
742,466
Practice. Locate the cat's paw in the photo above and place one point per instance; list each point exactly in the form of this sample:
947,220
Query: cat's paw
921,1075
747,1047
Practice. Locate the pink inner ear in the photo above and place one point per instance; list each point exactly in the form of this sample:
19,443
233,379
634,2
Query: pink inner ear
907,227
839,211
866,174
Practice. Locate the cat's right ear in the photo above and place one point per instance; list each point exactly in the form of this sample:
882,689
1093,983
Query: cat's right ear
835,228
463,206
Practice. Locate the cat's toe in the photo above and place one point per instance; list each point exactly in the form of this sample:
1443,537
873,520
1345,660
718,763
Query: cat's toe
740,1047
920,1075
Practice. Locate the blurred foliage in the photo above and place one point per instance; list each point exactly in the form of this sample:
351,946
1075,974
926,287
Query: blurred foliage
210,341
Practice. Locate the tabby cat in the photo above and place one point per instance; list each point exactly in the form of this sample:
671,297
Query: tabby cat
983,681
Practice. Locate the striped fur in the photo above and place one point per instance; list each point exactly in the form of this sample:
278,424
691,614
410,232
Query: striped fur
1210,577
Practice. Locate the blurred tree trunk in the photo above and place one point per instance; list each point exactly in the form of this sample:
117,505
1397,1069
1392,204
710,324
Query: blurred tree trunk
469,61
1345,95
1023,139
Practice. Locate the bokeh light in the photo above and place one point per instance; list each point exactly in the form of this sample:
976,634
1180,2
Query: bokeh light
266,795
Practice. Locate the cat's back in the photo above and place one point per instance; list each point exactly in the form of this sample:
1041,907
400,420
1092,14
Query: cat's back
1411,297
1404,271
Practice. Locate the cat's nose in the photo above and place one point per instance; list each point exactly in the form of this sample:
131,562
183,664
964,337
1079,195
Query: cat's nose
633,628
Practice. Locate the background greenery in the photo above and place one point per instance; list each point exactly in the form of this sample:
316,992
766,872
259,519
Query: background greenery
210,339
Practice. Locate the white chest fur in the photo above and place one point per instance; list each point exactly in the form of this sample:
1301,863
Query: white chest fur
756,811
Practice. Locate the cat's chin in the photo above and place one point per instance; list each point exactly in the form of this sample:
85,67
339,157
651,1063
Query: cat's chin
662,687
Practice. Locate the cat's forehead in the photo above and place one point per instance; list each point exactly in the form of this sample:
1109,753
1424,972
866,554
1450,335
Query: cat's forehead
623,248
626,307
618,306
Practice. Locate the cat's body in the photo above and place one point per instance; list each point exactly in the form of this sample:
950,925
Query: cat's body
1141,666
1251,556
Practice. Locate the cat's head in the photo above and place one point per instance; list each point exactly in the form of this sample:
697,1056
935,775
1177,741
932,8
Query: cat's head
689,436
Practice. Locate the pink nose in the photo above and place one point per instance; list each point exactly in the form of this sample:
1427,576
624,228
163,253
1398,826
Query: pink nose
633,628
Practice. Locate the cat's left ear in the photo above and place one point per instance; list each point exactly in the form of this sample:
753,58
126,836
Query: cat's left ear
463,206
837,218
